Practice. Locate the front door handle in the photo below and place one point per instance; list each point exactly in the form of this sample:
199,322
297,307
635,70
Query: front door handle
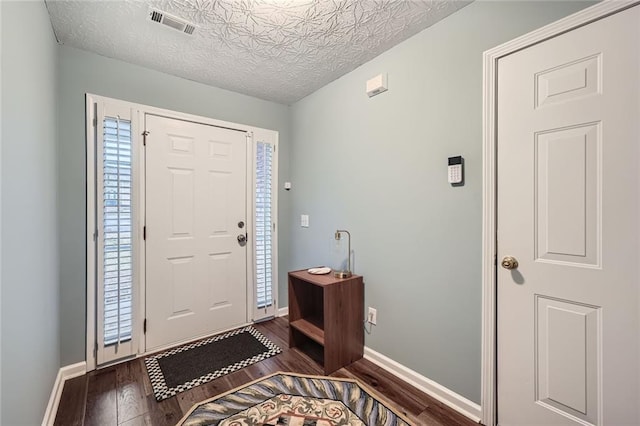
242,239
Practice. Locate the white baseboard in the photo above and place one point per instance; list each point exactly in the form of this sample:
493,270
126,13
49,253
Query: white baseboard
459,403
283,312
65,373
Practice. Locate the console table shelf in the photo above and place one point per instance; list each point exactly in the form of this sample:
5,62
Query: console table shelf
326,317
309,329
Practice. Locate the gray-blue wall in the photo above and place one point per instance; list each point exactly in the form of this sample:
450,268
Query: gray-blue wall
30,325
378,168
83,72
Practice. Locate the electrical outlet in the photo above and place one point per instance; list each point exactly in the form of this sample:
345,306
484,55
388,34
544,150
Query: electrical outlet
372,316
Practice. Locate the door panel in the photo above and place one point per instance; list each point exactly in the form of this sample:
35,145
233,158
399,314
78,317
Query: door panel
196,195
567,358
567,185
568,196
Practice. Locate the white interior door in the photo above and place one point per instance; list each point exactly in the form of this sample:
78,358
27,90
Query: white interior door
196,280
568,194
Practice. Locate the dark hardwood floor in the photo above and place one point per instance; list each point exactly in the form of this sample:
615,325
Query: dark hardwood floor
122,394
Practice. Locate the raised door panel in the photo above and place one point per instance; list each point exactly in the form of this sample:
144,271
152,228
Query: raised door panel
568,344
567,194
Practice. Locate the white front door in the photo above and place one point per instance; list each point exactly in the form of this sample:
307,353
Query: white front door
196,279
568,212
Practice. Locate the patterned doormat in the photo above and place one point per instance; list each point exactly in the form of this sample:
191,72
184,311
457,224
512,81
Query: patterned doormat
296,400
191,365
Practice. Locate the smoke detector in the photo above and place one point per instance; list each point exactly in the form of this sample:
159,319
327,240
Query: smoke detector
171,21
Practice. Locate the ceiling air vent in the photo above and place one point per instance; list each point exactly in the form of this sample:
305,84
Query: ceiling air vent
171,21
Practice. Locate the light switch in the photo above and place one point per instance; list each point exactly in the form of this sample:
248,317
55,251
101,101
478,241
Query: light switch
304,220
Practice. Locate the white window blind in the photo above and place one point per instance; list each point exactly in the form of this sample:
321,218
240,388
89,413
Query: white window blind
117,231
264,220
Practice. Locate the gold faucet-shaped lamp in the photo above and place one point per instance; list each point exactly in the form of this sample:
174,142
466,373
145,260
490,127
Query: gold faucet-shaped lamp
347,273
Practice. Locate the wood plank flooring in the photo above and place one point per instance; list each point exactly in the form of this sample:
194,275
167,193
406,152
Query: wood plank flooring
121,395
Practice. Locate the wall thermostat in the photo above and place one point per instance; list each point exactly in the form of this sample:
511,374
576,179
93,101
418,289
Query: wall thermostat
455,170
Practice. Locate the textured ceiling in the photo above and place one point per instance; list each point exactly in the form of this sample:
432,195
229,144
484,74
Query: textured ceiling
279,50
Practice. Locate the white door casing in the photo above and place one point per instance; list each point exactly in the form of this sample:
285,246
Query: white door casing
195,197
568,194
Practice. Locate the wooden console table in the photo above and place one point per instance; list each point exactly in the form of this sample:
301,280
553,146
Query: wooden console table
326,318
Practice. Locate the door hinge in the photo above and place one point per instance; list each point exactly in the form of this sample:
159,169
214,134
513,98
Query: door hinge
274,227
95,350
95,121
95,235
144,326
144,137
144,233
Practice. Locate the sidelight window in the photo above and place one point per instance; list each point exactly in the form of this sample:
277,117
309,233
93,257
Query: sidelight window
117,253
264,225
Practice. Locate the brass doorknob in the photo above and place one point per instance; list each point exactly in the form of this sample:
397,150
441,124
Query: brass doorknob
509,262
